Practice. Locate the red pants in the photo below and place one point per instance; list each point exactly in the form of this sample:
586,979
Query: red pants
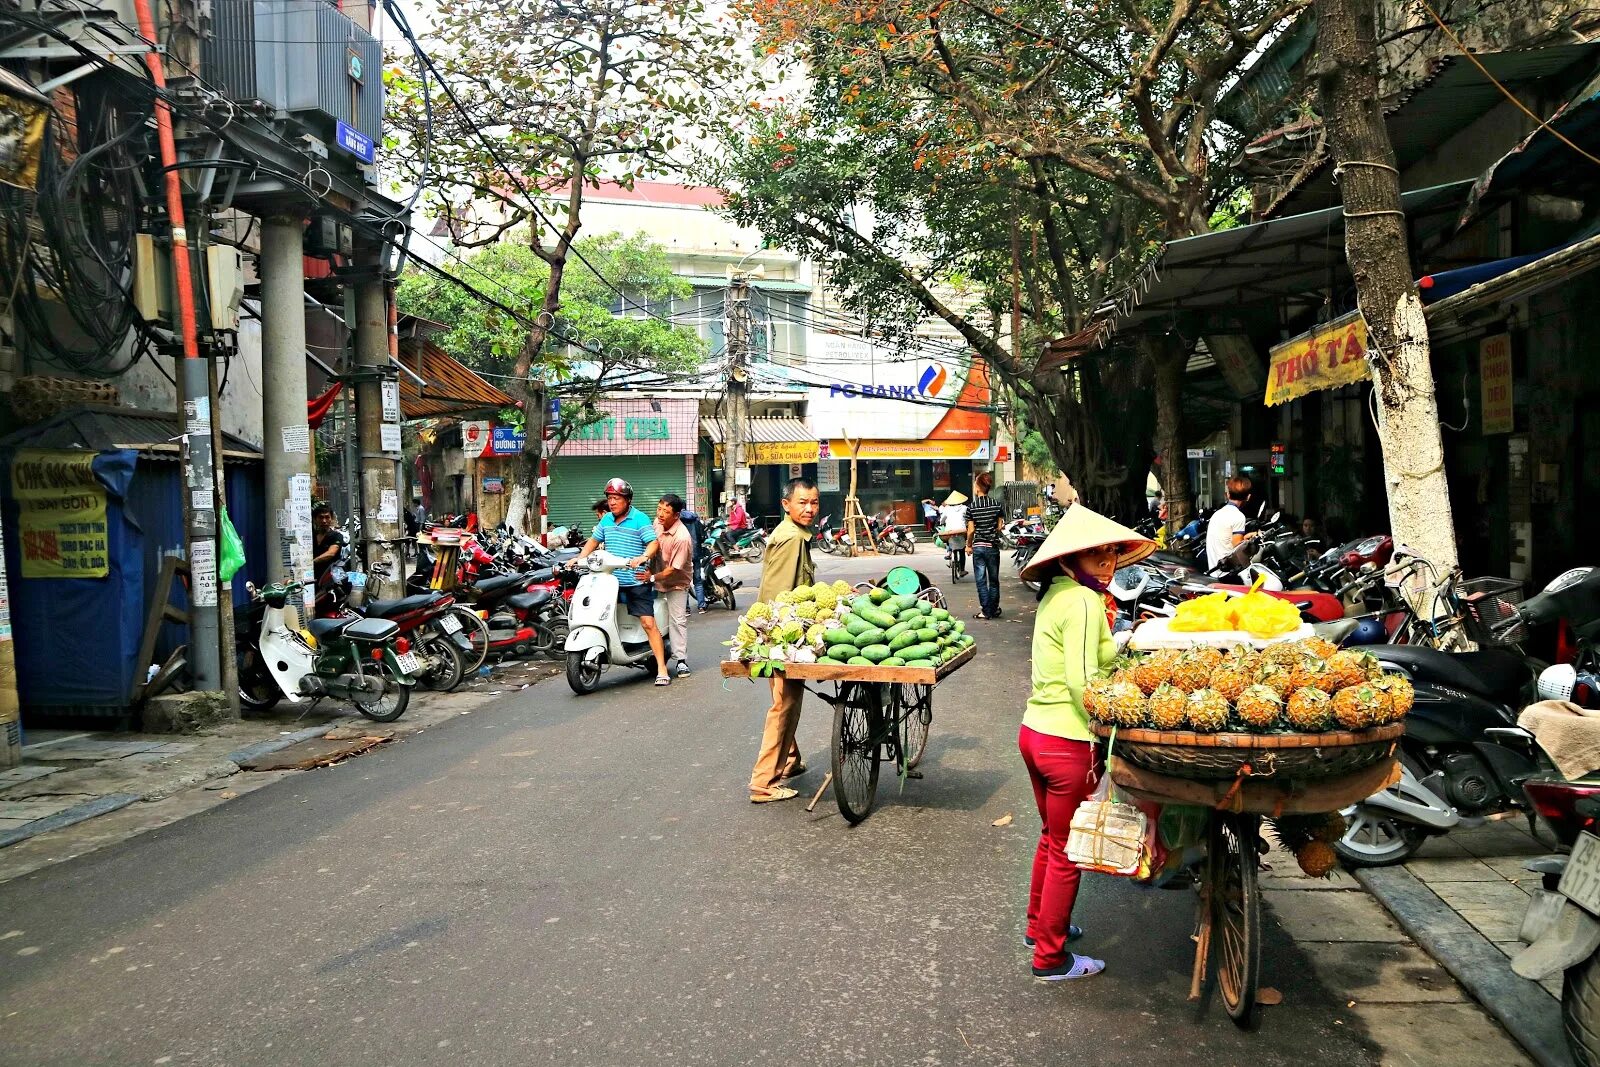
1062,779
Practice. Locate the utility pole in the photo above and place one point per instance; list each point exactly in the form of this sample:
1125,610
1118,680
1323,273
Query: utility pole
377,413
288,438
738,381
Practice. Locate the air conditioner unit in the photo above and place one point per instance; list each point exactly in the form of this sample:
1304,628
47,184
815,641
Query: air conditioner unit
302,58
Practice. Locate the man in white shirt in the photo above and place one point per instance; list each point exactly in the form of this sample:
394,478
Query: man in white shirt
1225,531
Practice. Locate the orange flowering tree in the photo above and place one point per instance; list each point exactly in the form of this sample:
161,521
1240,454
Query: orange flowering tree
1037,152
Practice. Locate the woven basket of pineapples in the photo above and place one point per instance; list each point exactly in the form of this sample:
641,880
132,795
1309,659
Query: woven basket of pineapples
1299,709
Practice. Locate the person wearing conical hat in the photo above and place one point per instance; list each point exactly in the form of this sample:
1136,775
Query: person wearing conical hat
1072,645
953,528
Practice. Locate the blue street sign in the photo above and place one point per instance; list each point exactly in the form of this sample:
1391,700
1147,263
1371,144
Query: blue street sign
506,441
554,416
355,142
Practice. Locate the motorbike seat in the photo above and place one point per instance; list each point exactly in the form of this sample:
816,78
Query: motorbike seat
540,576
323,629
371,630
1492,672
497,584
528,601
383,609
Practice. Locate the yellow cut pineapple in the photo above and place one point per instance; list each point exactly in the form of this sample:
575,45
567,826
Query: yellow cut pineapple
1348,669
1398,693
1277,676
1310,710
1260,707
1169,707
1124,703
1193,668
1360,706
1155,670
1310,672
1208,711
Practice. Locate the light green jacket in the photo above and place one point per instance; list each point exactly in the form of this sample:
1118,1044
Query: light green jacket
1071,647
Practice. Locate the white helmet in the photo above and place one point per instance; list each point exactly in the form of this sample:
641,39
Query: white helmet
1556,682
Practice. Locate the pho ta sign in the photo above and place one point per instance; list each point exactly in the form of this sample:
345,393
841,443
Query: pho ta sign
1331,355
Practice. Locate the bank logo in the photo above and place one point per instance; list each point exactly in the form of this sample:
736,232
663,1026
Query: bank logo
932,382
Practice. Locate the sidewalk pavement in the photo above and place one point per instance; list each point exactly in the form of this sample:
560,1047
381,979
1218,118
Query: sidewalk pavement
108,786
1463,898
1412,1008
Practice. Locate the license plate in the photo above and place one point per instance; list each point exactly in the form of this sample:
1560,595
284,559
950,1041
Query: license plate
450,624
724,574
1580,883
408,663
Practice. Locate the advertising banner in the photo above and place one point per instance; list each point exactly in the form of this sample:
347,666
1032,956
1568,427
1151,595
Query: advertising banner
773,453
1494,370
61,514
1331,355
898,394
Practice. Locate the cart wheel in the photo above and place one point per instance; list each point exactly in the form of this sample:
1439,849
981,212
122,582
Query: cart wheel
857,738
913,706
935,596
1236,900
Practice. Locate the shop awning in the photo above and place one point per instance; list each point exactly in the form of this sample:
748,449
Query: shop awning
771,430
447,387
97,428
1288,263
1545,162
1523,281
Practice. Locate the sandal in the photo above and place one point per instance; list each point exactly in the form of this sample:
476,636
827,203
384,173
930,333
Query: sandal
780,793
1076,967
662,679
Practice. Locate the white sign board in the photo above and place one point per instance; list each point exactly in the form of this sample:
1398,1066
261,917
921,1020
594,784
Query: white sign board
391,401
389,437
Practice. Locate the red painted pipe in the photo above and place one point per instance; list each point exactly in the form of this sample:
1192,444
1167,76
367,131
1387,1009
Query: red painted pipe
181,274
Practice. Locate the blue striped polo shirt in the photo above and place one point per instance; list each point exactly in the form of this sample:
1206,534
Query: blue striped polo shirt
627,539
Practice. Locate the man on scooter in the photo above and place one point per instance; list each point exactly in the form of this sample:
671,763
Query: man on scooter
626,532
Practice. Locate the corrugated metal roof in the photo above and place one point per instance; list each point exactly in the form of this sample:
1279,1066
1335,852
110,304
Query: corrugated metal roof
760,431
451,388
718,281
98,428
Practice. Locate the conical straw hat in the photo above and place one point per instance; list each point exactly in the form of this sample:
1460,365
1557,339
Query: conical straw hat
955,498
1081,529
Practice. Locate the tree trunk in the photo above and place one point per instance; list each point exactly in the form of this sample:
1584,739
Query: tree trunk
1171,360
1378,252
532,391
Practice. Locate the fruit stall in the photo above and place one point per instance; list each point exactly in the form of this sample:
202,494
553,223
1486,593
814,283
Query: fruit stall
883,646
1230,715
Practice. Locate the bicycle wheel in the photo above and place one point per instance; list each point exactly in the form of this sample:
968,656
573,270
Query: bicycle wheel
913,706
1236,904
476,631
857,737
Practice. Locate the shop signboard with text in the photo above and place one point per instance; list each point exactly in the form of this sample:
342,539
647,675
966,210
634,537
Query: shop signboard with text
905,402
1331,355
61,514
772,453
630,426
1494,371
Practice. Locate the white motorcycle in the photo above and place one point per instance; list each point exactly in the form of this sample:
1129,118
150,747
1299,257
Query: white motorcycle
600,632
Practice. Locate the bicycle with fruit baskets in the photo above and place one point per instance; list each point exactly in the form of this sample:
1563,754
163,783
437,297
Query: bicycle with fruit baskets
1237,780
880,714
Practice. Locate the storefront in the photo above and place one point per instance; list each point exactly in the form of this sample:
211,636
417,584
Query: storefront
919,426
649,442
776,449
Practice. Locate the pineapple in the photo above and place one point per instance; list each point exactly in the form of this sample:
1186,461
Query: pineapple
1398,693
1286,653
1193,668
1317,858
1360,707
1310,710
1277,676
1320,647
1331,827
1260,707
1208,711
1169,707
1310,672
1248,659
1124,703
1095,701
1348,669
1230,678
1154,670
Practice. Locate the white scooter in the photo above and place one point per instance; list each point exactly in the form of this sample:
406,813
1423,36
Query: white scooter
600,632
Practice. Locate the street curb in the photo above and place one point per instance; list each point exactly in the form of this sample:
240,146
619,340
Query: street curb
75,814
261,748
1529,1014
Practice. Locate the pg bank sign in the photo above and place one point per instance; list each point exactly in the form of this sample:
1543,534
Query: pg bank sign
880,392
929,385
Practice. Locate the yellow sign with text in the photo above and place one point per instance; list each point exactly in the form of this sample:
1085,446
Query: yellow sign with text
925,449
1494,371
62,514
1331,355
773,453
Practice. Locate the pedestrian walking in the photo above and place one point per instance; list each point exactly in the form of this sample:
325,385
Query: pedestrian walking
983,540
674,574
787,566
953,528
1072,645
930,515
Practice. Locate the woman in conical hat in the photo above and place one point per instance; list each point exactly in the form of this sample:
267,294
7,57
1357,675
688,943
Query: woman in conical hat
953,528
1072,645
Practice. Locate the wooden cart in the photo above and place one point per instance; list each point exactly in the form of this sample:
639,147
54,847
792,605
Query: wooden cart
1242,778
879,714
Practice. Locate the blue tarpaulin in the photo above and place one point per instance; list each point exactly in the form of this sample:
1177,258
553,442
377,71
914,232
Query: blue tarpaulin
77,638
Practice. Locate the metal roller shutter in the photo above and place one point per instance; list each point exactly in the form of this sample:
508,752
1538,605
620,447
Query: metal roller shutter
576,483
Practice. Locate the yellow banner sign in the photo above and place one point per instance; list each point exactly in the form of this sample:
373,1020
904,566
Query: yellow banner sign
773,453
62,513
925,449
1494,370
1331,355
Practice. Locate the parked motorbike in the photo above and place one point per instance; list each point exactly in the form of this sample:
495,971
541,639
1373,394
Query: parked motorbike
364,661
718,581
601,634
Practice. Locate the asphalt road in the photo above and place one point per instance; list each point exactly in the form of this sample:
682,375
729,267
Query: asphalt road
582,881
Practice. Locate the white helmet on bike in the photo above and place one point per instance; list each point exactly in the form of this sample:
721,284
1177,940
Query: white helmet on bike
1556,682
